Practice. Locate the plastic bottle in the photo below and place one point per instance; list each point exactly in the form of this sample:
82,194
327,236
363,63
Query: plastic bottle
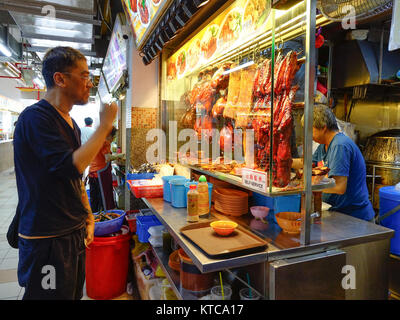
204,205
192,204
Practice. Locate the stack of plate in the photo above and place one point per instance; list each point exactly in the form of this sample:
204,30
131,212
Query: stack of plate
231,202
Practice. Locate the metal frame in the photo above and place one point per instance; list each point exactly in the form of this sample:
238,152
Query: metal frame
308,120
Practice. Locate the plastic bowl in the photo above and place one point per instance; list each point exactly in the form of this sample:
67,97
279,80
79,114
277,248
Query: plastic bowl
289,222
259,211
223,228
110,226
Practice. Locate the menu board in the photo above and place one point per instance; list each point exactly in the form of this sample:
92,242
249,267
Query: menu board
141,14
240,22
115,61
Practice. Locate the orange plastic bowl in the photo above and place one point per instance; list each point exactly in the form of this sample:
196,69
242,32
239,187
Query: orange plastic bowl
289,222
223,228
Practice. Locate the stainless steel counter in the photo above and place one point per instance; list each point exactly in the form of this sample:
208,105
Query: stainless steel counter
335,230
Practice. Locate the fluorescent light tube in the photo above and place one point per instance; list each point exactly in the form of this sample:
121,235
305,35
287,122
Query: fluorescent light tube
5,50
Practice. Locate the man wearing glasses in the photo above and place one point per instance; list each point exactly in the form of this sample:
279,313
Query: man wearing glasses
55,220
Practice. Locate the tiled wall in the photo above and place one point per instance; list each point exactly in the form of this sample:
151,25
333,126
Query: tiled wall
143,119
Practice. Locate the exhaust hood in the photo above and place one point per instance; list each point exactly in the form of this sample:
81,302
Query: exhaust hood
356,62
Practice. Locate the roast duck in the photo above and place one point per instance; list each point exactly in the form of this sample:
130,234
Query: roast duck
247,104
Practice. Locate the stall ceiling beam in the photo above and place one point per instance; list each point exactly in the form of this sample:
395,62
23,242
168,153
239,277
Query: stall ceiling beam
44,49
56,38
59,15
59,7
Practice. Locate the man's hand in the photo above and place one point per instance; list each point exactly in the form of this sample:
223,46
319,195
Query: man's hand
108,114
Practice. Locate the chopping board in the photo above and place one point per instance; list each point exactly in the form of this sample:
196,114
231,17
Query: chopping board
240,242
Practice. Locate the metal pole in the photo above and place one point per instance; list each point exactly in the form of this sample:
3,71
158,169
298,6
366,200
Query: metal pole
329,81
308,120
128,119
271,139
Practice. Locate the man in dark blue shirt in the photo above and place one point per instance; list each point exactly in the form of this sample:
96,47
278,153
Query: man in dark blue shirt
347,166
55,220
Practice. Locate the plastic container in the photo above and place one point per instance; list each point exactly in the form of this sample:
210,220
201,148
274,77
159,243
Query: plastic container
143,224
246,294
156,231
110,226
204,197
143,284
290,203
131,219
216,292
191,277
107,262
178,196
148,191
166,189
210,188
156,241
389,198
146,212
140,176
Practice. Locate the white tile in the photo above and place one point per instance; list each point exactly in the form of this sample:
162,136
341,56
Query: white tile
9,290
12,253
3,253
4,244
9,263
21,293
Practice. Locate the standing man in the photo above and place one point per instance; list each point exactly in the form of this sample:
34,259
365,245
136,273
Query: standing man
55,220
87,130
347,166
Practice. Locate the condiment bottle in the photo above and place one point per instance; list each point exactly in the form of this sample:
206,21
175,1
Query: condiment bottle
204,206
192,204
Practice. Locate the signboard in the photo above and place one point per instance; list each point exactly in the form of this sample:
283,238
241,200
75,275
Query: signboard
141,15
115,62
256,180
242,21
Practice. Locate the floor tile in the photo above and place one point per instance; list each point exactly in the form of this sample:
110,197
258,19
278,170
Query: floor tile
9,275
11,263
9,290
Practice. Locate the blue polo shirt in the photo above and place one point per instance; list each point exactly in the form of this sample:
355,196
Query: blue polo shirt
344,158
48,183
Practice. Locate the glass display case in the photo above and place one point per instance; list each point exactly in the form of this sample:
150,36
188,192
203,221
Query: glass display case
235,94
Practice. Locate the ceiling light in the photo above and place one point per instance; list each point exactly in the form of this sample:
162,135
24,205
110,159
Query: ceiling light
242,66
4,49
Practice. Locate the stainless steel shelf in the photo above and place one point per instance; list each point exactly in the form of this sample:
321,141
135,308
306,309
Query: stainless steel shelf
172,275
237,181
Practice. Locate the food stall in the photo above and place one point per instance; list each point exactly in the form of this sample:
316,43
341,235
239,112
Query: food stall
235,79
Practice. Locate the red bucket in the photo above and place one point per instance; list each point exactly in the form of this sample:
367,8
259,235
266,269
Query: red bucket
107,262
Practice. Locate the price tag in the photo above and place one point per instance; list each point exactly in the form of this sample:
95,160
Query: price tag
256,180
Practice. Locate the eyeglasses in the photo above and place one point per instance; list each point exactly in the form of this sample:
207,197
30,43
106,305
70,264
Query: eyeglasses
88,78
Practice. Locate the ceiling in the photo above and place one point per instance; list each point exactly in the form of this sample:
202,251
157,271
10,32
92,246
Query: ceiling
36,25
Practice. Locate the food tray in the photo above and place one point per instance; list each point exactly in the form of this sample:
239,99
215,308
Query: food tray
145,191
240,242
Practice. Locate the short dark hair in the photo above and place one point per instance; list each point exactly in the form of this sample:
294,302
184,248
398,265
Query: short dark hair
88,121
59,59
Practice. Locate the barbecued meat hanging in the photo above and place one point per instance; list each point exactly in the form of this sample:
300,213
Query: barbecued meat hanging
284,72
